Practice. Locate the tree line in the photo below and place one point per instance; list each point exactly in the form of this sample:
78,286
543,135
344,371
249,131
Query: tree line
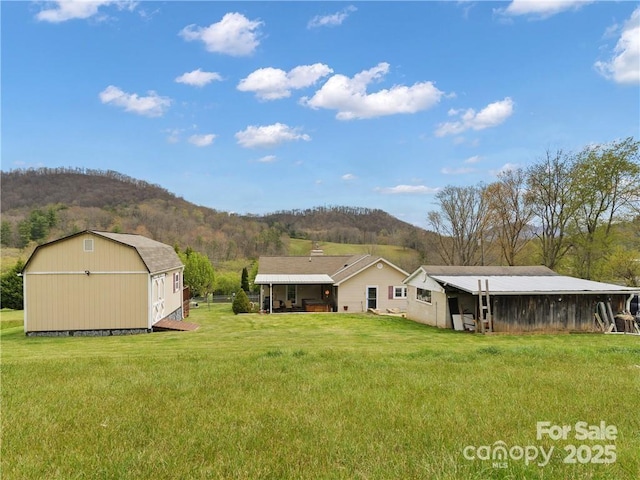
576,212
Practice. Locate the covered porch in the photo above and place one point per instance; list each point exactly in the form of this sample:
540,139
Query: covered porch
297,293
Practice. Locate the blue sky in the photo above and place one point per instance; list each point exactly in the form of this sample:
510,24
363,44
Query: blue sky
254,107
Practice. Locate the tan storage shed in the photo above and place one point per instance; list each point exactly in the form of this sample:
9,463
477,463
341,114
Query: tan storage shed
101,283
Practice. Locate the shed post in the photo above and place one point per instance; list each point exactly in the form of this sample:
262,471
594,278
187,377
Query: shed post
489,314
480,307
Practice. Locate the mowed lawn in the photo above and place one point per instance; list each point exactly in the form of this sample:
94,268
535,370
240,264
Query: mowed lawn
316,396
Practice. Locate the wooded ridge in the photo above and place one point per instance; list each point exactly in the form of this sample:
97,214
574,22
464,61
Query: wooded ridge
45,203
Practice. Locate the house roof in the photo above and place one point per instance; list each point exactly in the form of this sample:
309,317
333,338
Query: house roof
532,280
314,269
157,256
361,264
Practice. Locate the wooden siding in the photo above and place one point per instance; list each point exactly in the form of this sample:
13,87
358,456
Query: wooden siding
530,313
186,302
58,302
353,292
518,313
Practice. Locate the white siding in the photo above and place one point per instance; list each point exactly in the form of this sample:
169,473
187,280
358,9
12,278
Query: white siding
435,313
353,292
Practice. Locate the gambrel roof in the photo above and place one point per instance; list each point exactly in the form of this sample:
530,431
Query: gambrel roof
157,257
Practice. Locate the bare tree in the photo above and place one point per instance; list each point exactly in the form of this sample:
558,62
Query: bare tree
509,212
606,179
553,200
460,223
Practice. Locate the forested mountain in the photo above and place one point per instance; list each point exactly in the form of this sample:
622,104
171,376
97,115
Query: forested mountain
342,225
43,204
75,187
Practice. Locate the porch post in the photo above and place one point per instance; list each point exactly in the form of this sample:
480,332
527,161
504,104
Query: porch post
271,298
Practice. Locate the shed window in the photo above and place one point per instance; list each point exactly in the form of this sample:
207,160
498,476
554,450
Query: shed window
423,295
88,244
176,282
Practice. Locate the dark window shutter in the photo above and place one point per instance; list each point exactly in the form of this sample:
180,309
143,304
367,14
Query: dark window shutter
390,292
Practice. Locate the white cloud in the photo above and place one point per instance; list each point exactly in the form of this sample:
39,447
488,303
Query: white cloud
507,167
202,140
474,159
348,176
267,159
349,96
456,171
198,78
273,83
62,10
234,35
408,190
624,65
492,115
269,135
152,105
541,8
332,20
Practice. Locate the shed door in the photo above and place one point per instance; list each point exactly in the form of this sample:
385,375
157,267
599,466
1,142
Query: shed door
372,297
157,296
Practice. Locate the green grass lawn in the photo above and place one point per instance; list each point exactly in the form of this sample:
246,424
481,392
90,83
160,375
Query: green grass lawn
306,396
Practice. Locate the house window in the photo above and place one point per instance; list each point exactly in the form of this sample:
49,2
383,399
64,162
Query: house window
88,244
400,292
291,293
176,282
423,295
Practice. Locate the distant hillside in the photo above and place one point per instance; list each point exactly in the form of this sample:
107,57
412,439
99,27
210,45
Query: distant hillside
342,224
42,204
75,187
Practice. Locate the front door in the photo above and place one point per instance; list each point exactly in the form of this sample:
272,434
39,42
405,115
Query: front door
372,297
